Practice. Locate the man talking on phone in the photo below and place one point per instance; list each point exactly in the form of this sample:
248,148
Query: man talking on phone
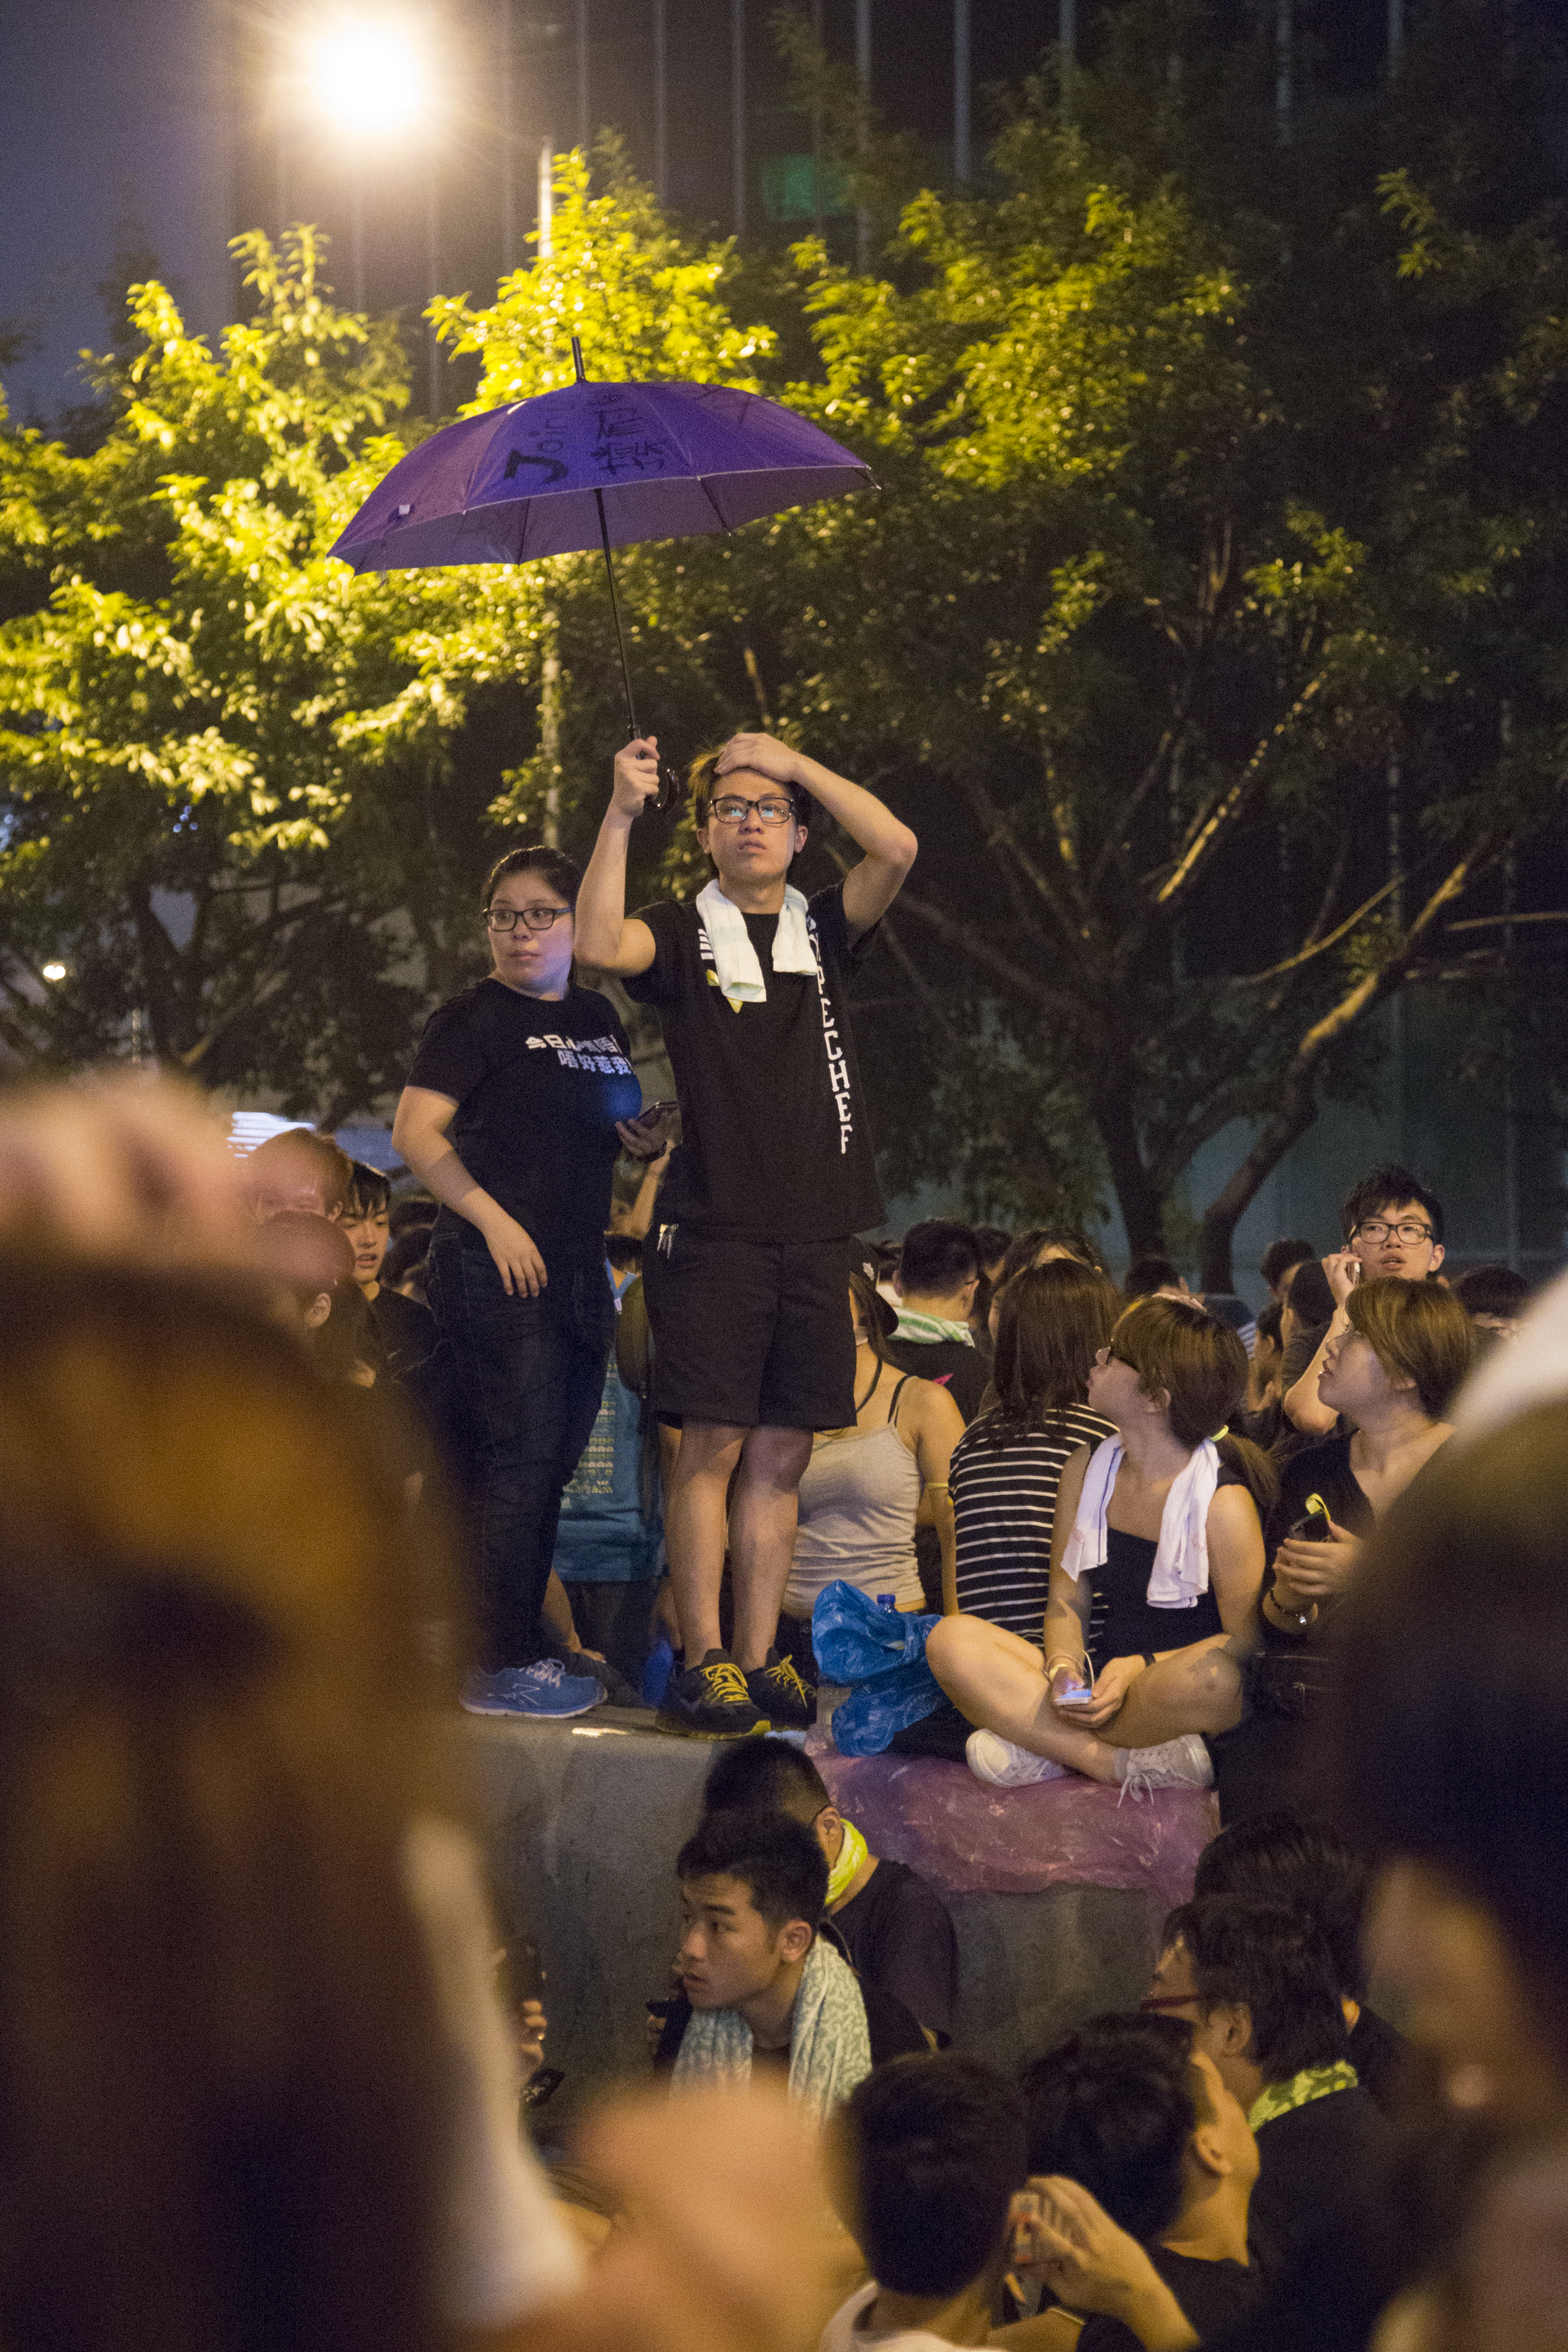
746,1273
1392,1225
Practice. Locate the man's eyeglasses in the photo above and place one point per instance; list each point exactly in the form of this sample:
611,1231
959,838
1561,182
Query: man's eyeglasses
731,810
1373,1229
1162,2001
532,918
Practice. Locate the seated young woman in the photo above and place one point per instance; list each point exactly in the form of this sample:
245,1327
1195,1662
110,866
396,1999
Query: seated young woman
1156,1553
1006,1468
1391,1376
864,1487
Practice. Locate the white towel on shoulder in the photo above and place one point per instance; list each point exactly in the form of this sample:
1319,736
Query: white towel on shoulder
735,959
1180,1570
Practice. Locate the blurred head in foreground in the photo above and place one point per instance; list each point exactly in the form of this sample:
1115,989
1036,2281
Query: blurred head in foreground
215,2014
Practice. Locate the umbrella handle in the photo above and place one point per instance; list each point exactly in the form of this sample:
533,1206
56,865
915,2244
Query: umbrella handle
660,806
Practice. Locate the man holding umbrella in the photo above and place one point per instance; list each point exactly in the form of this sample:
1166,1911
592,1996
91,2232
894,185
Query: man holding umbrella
747,1280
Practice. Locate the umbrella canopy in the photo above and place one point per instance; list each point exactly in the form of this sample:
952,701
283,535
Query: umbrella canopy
596,464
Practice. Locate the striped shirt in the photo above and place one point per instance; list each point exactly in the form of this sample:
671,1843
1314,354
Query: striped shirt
1003,1504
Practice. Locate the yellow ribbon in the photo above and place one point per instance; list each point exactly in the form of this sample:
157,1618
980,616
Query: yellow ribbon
851,1855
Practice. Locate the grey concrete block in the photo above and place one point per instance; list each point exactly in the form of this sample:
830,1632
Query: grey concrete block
584,1821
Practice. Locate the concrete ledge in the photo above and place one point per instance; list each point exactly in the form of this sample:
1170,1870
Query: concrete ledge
584,1820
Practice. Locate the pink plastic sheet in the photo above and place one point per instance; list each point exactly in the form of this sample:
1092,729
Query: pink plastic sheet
970,1839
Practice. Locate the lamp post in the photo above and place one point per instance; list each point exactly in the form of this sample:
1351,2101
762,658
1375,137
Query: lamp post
367,79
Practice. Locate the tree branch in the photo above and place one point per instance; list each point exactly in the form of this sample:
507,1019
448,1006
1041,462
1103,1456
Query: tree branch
1204,831
1028,984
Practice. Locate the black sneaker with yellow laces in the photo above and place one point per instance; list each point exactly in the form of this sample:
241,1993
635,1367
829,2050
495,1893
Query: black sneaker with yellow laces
776,1691
711,1702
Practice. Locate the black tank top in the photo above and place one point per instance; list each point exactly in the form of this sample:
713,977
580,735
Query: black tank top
1121,1624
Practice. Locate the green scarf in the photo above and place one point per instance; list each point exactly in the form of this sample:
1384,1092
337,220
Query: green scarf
931,1327
851,1855
1311,2083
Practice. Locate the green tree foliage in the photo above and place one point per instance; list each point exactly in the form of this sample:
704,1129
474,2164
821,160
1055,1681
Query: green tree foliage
1220,470
239,792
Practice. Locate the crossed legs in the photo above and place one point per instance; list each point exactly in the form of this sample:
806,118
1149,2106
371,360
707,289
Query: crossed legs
997,1681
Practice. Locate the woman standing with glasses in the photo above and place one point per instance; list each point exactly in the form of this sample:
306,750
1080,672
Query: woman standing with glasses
519,1099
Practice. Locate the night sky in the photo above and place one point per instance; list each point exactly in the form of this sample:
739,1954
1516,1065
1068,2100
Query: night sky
131,128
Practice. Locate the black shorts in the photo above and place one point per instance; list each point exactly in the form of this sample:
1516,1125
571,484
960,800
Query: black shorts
749,1334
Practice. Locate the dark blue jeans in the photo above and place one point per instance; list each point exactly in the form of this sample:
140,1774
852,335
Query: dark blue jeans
528,1376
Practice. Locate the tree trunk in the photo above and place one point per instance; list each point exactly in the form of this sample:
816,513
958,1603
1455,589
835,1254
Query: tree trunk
1297,1110
1143,1211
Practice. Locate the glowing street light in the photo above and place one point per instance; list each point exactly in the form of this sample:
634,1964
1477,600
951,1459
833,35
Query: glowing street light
54,971
367,76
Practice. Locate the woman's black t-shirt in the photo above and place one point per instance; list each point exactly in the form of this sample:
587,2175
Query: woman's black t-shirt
1121,1624
539,1083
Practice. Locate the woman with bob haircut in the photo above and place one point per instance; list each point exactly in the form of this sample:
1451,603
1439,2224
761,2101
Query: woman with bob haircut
1006,1470
1392,1374
1156,1552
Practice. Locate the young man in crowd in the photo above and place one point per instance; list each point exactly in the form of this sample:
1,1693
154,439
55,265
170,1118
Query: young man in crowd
892,1925
1392,1225
1280,1858
1127,2107
938,1272
405,1329
747,1274
300,1172
762,1993
1280,1261
1494,1297
932,2155
1255,1982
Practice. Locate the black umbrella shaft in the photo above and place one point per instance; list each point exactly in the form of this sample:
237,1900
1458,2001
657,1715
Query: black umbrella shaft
616,609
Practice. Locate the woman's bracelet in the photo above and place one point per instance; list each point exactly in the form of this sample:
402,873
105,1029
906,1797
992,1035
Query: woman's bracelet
1299,1618
1073,1665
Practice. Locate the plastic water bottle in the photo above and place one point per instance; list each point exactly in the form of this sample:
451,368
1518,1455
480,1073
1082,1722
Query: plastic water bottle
890,1602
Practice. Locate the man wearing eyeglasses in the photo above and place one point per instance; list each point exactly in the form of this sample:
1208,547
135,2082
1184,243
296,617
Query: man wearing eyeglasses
747,1274
1392,1225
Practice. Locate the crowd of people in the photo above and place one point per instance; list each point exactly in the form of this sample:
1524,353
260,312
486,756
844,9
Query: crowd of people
295,1462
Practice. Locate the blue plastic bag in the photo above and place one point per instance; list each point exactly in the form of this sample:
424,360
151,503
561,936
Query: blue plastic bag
879,1652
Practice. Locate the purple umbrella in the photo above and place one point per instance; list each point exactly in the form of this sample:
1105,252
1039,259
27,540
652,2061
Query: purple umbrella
596,464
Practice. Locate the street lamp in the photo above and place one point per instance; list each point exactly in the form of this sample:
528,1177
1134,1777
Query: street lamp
54,971
369,77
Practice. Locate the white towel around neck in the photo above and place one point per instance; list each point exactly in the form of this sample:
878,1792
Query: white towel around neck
735,960
1180,1570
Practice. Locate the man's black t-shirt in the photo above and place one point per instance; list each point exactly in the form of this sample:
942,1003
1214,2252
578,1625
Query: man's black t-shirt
964,1372
539,1084
1313,2222
1380,2054
1214,2298
774,1143
901,1939
406,1330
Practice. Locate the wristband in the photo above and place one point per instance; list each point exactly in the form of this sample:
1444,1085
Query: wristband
1074,1665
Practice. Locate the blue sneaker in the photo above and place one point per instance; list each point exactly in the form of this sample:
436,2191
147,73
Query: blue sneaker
546,1689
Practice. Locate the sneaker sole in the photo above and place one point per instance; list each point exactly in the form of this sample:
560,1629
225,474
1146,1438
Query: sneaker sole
526,1714
674,1728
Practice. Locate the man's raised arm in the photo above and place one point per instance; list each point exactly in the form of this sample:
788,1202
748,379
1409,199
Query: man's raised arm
870,887
605,938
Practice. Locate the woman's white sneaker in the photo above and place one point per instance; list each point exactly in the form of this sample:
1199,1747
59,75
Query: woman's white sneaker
993,1759
1181,1763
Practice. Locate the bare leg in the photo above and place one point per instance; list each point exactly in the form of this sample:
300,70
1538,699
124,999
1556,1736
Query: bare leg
694,1530
998,1680
762,1536
1193,1690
